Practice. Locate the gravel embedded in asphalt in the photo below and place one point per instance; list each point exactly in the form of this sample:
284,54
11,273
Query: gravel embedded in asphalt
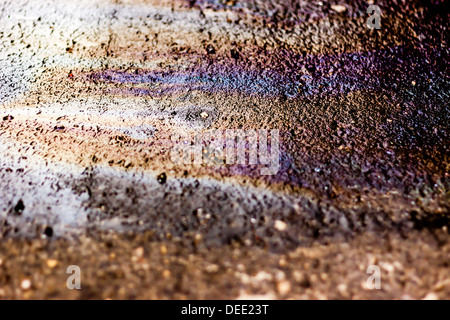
92,93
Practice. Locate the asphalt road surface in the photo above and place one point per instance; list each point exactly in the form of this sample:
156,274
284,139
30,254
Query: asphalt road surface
93,95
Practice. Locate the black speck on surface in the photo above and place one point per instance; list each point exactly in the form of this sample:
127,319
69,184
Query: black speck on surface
19,207
48,231
162,178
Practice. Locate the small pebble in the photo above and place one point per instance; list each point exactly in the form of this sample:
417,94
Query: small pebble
198,238
431,296
139,252
338,8
342,288
51,263
283,287
301,279
280,225
212,268
25,284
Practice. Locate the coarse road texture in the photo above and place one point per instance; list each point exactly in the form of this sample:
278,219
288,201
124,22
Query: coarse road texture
91,93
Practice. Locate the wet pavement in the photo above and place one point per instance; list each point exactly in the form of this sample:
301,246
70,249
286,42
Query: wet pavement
93,93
